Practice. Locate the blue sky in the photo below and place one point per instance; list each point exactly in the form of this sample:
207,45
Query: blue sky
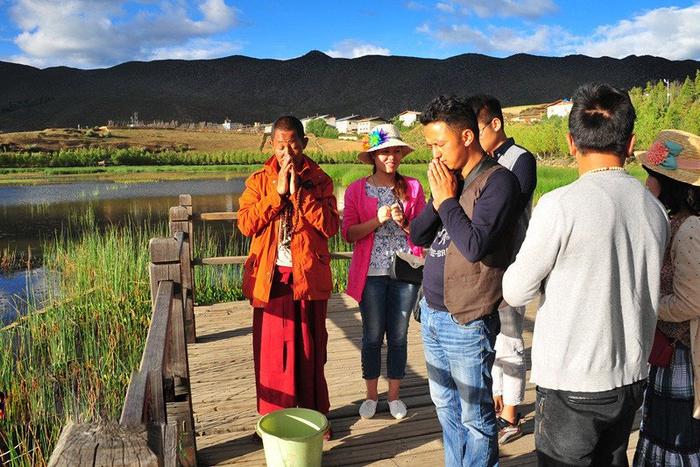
102,33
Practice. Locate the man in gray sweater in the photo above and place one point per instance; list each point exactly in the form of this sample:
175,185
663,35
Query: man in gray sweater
594,248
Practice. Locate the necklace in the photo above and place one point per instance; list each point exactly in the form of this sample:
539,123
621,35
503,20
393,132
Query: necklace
613,168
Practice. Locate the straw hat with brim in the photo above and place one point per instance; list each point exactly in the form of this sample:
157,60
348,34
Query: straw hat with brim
675,154
382,136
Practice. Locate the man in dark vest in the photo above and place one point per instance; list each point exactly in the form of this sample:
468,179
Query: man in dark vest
468,226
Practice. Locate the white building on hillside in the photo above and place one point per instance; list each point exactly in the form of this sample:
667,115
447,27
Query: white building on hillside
366,125
226,125
409,117
560,108
347,124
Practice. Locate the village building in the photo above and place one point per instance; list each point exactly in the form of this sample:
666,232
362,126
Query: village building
366,125
560,108
347,124
408,117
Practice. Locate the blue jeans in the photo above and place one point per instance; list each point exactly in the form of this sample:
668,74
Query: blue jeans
459,360
386,308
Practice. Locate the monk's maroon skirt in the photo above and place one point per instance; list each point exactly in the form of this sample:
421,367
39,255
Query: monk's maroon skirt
289,349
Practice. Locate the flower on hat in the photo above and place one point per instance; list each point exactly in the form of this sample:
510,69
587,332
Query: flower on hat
664,154
375,138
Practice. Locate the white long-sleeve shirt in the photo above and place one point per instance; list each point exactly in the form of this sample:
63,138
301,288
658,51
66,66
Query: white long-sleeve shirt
595,247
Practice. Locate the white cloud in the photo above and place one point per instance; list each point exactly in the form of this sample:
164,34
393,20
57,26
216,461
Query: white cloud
673,33
351,48
518,8
502,40
424,28
90,33
197,49
445,7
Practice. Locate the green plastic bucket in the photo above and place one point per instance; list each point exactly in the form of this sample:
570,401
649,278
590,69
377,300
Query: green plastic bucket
293,437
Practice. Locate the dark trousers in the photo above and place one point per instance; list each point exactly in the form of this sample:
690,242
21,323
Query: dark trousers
585,428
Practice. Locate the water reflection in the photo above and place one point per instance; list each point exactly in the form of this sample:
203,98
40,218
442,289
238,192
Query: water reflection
30,215
20,289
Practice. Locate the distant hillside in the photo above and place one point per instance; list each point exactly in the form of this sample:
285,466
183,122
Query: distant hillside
247,89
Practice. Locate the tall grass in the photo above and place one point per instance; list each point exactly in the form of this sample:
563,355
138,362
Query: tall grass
72,358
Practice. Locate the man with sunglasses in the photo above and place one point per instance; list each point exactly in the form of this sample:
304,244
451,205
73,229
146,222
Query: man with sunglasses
509,367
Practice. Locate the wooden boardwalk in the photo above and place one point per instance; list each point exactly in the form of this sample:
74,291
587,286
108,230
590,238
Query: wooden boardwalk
223,395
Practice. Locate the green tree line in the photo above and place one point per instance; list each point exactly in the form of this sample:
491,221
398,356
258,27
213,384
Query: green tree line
658,107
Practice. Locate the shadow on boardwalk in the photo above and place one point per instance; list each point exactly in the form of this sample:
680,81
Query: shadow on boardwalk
222,379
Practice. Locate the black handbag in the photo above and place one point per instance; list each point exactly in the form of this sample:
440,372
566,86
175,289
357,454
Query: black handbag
406,267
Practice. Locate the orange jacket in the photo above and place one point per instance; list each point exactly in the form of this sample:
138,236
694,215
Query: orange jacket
315,220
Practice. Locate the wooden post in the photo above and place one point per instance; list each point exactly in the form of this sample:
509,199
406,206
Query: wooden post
180,410
102,444
181,221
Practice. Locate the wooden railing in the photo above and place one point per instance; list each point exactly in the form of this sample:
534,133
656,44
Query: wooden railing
156,427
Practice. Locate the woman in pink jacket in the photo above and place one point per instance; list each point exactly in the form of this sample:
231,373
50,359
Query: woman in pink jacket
377,212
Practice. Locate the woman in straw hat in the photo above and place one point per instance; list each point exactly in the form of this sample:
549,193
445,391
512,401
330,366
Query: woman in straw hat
670,430
378,209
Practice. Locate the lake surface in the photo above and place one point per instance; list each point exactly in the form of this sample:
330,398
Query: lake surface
30,215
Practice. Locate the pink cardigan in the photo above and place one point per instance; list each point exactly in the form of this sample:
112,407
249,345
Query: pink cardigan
360,208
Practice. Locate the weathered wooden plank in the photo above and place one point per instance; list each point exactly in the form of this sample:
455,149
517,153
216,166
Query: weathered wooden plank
185,200
135,401
176,364
216,216
155,350
164,250
178,214
102,444
220,260
162,272
170,441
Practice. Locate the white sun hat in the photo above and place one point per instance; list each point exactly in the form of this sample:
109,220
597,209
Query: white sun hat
382,136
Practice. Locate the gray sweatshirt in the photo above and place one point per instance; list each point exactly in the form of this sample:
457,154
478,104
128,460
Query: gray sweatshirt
595,248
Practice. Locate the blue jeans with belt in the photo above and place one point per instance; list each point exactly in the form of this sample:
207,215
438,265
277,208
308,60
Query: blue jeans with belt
386,308
459,358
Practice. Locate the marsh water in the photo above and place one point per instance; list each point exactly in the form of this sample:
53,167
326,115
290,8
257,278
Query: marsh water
31,215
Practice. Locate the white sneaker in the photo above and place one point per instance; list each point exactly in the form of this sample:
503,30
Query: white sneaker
368,408
398,409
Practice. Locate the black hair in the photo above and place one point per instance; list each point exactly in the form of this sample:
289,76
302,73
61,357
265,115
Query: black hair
601,119
675,195
289,122
486,108
452,110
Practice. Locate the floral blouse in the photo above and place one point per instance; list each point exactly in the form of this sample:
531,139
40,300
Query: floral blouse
388,238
